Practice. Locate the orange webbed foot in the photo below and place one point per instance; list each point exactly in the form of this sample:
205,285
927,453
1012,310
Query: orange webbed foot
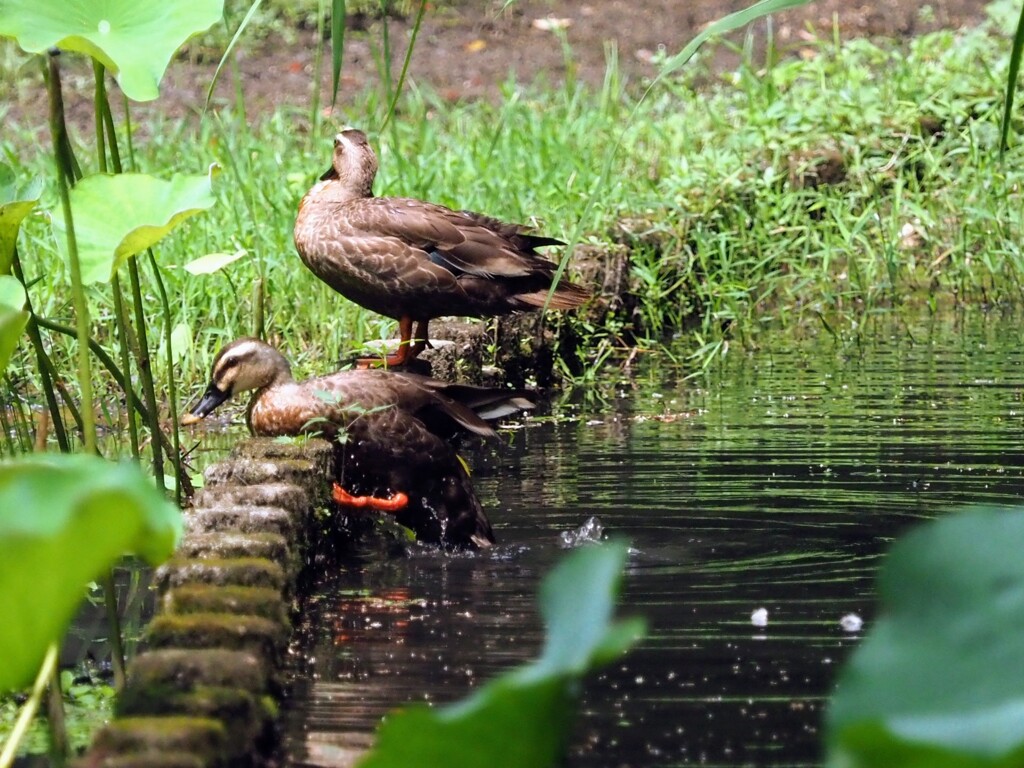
392,360
395,503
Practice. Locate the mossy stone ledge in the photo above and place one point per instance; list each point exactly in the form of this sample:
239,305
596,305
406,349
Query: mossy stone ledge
284,495
248,718
204,691
225,545
235,571
201,739
243,601
184,669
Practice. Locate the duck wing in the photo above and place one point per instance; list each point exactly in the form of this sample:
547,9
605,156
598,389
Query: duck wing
349,397
462,242
489,403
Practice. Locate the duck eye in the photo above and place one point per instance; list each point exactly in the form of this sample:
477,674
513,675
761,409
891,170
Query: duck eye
337,142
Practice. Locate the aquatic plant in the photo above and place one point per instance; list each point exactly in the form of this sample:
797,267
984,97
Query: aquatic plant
65,519
135,43
938,679
50,505
16,202
522,719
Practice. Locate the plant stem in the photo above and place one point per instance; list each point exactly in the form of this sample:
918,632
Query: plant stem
59,747
259,321
405,64
15,433
44,363
145,367
28,710
58,134
107,137
114,621
126,364
99,98
108,121
111,366
128,133
172,389
385,6
318,60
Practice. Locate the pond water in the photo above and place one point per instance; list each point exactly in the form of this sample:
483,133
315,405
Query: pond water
777,483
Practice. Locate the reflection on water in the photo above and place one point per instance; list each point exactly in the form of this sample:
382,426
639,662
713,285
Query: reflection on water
775,485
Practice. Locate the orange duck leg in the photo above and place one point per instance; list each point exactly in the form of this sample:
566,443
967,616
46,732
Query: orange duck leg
407,350
394,503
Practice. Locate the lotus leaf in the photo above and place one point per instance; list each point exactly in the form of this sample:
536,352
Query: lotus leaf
16,201
939,680
64,520
134,39
117,216
12,317
522,719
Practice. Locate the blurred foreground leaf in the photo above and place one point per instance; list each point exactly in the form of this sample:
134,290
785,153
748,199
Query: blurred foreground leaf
522,719
939,681
119,216
64,520
134,39
13,317
16,200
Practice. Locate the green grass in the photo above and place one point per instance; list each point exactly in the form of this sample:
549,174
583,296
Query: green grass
87,706
709,189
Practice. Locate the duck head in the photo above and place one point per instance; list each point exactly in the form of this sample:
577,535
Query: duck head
354,164
242,365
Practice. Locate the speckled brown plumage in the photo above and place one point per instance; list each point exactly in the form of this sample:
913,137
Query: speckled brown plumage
413,260
394,425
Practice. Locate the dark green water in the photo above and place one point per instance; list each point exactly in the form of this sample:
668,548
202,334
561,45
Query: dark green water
778,483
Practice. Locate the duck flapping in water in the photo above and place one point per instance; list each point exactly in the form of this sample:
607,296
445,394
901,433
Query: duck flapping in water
413,260
391,434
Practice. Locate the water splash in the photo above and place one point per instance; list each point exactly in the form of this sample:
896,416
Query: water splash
588,533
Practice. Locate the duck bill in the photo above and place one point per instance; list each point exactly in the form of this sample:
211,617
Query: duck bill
211,398
330,173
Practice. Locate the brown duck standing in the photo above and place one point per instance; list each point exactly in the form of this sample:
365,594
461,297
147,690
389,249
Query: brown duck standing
395,455
413,260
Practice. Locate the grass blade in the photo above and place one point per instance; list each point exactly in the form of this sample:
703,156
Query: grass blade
1011,83
339,13
227,51
725,24
405,64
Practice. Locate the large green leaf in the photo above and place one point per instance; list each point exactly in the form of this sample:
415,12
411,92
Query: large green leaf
64,520
521,719
577,601
16,200
940,680
135,39
118,216
13,317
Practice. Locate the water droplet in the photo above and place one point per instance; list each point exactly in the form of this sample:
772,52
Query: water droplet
851,622
104,27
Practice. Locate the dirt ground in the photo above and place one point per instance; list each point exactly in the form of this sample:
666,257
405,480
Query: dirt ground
468,50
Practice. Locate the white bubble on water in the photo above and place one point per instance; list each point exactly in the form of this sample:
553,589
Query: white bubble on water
851,622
